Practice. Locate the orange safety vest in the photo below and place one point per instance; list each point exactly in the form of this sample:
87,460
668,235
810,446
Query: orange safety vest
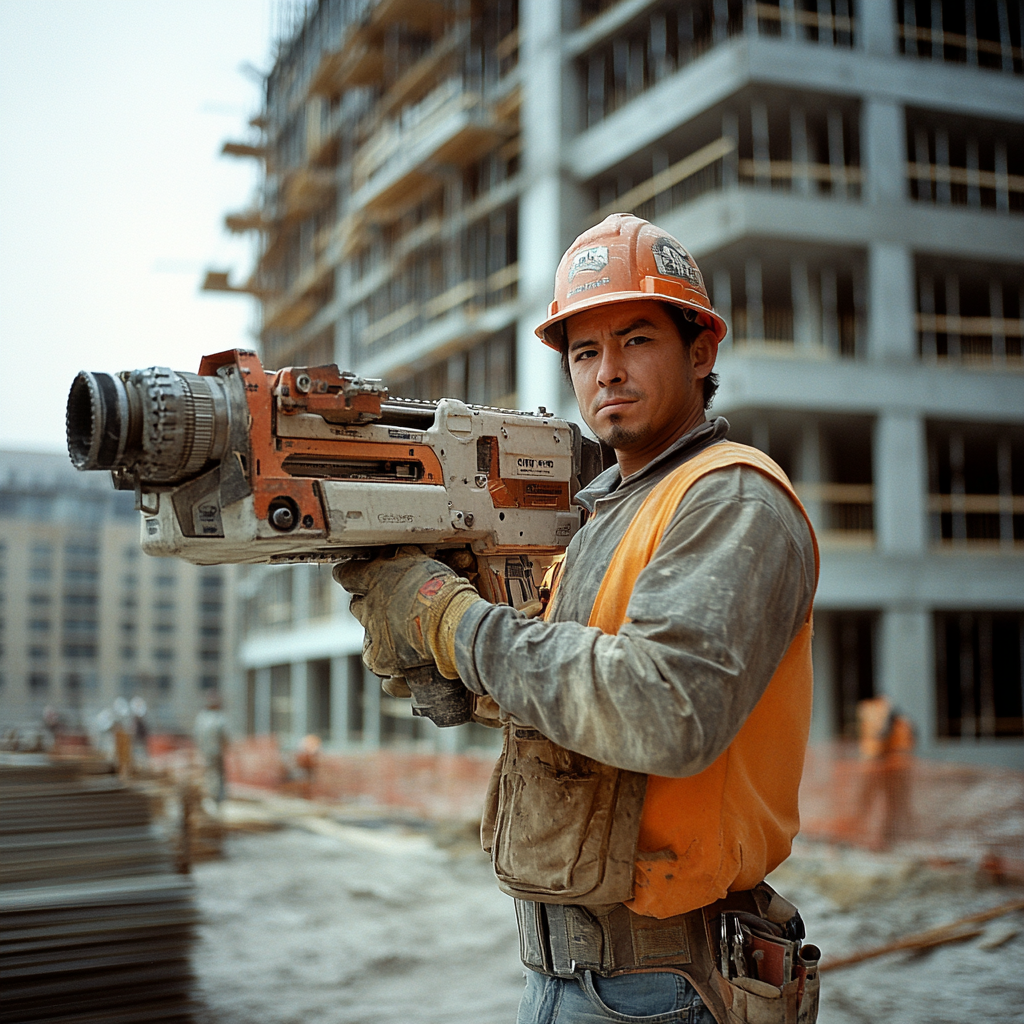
727,827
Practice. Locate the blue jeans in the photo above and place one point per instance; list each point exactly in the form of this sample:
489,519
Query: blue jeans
660,997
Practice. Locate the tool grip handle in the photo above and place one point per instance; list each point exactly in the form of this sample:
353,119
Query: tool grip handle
446,702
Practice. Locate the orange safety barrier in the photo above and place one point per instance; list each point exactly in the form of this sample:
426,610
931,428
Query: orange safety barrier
944,810
432,785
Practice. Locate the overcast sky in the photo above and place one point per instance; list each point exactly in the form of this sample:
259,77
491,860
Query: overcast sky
113,193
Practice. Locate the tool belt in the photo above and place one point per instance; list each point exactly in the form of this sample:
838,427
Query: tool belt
747,968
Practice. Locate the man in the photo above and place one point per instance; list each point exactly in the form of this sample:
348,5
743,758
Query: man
211,738
886,743
657,718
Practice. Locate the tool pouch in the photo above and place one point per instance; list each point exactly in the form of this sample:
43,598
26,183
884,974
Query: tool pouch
561,827
757,1002
766,974
748,968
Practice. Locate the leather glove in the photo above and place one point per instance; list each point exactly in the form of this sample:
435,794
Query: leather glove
410,606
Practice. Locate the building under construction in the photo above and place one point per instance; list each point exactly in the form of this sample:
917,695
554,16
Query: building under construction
849,176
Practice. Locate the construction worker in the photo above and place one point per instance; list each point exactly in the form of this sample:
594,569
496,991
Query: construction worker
657,717
210,733
886,739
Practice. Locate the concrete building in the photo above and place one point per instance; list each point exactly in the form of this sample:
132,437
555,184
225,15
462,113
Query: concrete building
86,618
850,177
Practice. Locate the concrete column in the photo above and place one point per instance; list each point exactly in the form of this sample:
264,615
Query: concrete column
859,311
943,186
876,28
730,163
901,483
300,593
755,303
720,21
926,300
762,152
952,282
761,434
890,300
1004,35
345,353
799,151
1002,177
750,26
972,32
829,293
823,714
800,283
906,667
883,150
261,716
662,201
788,19
937,30
300,694
973,165
997,310
722,287
552,208
810,471
837,152
339,701
371,709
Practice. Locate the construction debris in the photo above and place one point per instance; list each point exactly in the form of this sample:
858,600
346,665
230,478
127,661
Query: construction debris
349,913
956,931
95,923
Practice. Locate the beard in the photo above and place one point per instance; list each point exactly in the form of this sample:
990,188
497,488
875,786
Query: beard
618,437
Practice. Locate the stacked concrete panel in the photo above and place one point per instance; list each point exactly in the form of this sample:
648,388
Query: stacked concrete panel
94,923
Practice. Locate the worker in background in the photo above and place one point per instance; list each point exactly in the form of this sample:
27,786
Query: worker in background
307,757
53,728
105,733
886,742
211,739
123,731
139,730
656,719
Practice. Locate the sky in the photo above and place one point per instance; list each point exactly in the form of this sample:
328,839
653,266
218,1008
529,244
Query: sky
113,192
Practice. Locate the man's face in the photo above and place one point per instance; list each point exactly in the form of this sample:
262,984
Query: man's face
638,387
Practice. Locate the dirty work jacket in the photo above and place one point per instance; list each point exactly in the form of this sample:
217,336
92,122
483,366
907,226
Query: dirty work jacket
710,618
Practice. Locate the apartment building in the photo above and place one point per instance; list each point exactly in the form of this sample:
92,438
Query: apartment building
850,177
86,618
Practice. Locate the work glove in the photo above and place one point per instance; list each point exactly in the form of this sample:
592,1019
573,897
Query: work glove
410,606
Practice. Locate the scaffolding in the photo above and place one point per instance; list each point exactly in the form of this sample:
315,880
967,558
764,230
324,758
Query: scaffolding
389,202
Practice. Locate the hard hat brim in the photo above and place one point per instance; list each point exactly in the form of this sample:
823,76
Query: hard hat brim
706,316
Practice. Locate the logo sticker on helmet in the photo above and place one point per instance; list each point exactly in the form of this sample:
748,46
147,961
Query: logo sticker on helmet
593,259
674,261
587,286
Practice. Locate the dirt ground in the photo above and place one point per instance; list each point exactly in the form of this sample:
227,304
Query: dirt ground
331,920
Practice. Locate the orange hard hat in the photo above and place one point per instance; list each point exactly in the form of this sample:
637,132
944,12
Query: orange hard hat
621,259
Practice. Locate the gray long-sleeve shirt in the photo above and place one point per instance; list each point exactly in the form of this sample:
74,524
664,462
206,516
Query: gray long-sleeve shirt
709,620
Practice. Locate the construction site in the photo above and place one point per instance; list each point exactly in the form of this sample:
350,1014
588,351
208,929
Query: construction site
851,187
849,176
